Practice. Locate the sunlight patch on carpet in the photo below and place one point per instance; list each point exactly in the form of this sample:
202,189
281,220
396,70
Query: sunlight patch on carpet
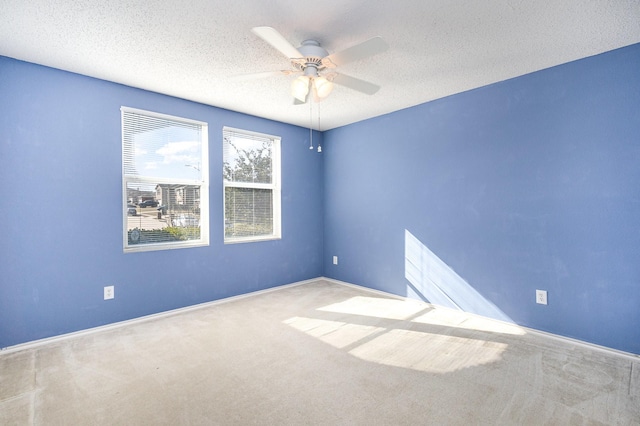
398,309
450,317
433,353
335,333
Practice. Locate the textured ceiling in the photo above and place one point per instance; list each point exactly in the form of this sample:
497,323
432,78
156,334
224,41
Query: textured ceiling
191,49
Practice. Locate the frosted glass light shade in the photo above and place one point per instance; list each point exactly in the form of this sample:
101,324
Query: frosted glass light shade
323,87
300,88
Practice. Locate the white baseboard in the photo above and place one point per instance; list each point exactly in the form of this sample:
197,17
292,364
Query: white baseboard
48,340
558,337
53,339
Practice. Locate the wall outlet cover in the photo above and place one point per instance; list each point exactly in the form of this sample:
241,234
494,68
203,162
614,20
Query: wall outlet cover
109,292
541,297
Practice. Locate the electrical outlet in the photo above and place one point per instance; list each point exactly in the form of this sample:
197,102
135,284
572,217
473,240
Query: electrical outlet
541,297
109,292
335,260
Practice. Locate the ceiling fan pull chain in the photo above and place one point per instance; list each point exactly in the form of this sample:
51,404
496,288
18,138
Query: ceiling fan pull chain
310,126
319,147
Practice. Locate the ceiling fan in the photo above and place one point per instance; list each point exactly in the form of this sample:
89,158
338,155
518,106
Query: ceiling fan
315,66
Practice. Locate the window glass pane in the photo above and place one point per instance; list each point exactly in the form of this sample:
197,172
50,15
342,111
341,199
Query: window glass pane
251,173
161,148
247,160
165,174
248,212
162,212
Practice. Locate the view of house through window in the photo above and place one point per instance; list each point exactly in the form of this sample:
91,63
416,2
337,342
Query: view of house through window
165,181
251,172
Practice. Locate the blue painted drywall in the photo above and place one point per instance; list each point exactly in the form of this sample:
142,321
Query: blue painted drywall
489,194
61,203
531,183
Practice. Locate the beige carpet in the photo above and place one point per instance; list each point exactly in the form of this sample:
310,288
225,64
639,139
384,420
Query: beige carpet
317,353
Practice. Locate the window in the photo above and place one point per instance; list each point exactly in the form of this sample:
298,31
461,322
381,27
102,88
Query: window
165,181
251,186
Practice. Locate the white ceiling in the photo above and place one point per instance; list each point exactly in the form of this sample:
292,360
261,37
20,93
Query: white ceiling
190,49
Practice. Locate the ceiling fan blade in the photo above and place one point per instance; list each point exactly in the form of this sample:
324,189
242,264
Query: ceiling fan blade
355,84
275,39
297,101
371,47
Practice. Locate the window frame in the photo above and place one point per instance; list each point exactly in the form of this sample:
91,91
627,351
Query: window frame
275,186
203,185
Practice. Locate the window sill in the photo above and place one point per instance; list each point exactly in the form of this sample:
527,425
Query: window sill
160,246
238,240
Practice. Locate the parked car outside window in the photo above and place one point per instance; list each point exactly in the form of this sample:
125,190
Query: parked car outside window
148,203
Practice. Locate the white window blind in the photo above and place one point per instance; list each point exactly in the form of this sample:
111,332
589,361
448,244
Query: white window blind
251,172
165,181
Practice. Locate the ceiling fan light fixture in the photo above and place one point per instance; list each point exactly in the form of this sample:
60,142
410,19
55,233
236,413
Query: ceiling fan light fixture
322,87
311,58
300,88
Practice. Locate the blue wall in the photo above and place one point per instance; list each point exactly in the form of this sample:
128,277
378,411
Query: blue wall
488,195
61,210
475,201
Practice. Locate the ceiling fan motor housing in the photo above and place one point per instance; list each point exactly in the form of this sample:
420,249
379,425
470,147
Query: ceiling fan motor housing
312,61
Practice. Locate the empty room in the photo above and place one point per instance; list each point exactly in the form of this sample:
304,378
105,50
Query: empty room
340,212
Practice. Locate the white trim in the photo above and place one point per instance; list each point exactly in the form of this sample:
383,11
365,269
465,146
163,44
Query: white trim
577,342
275,186
252,239
250,185
249,133
89,331
202,183
370,290
170,245
160,115
54,339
